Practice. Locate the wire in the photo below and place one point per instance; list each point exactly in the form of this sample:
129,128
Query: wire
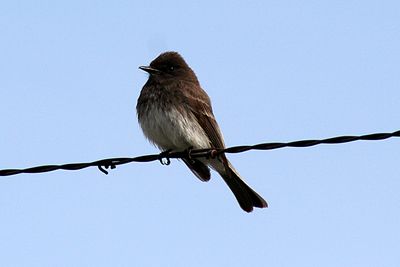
164,157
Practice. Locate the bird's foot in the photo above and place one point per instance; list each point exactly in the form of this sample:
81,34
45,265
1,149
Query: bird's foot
188,152
212,154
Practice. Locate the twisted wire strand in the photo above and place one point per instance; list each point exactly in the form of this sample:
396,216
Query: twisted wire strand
164,157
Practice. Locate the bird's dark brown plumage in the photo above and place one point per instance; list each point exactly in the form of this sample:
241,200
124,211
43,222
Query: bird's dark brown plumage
175,113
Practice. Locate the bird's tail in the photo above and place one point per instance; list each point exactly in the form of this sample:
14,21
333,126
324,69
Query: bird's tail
246,196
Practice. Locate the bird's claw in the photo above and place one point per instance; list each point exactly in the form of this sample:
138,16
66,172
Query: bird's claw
188,152
212,153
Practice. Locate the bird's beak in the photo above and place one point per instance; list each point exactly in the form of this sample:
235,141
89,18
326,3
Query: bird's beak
149,69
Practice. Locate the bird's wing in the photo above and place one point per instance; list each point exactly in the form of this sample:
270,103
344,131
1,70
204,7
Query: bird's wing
198,168
200,106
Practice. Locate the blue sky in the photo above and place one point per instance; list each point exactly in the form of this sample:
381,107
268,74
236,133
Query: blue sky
275,71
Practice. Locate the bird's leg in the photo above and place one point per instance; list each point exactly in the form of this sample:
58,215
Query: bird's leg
213,153
188,152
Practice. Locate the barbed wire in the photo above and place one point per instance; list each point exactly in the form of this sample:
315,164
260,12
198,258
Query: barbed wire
164,157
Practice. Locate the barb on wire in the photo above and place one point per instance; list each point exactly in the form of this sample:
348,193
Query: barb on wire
164,157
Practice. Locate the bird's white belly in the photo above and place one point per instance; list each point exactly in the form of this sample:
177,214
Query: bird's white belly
173,130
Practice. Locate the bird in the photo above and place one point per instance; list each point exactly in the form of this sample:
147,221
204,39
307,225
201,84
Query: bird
175,114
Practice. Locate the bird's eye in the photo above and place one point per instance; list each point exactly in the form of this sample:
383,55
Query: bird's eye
171,68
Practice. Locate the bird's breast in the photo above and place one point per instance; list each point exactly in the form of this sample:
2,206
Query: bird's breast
168,123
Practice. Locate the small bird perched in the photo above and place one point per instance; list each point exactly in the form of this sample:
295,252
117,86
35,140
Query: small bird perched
175,114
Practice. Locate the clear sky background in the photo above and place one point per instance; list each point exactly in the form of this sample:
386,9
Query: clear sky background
275,71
